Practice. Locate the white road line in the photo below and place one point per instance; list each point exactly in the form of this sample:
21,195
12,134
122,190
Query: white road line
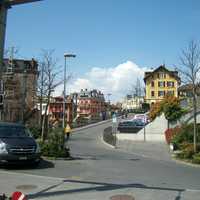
191,190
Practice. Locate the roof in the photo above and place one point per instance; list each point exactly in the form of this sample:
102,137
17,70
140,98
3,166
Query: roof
162,68
19,65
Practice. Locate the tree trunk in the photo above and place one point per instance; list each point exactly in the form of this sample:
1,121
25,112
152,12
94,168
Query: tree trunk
195,122
43,125
45,117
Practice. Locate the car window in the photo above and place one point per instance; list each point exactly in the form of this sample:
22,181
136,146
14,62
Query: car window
13,131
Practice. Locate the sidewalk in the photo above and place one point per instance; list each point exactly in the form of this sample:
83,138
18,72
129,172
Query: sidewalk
155,150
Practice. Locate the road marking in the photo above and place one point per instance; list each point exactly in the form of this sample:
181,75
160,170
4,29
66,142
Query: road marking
192,190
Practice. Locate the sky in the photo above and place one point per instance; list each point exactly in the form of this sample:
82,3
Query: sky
115,41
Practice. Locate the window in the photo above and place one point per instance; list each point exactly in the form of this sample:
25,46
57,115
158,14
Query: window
161,83
152,93
161,75
152,83
161,93
170,92
170,84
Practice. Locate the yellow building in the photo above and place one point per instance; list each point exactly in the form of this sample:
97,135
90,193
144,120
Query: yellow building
159,83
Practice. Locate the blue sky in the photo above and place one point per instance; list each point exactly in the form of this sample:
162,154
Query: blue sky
105,33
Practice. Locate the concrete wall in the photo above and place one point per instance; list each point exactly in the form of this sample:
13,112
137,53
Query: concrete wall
154,131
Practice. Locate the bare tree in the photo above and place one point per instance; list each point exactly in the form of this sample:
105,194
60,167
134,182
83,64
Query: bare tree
137,88
47,82
190,70
11,52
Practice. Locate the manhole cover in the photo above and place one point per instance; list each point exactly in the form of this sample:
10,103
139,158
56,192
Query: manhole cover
122,197
26,187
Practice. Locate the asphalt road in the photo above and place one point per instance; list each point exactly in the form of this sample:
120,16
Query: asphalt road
112,171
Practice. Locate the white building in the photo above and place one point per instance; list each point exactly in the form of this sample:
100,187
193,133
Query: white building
131,102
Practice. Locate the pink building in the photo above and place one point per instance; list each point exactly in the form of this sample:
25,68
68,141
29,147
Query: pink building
91,104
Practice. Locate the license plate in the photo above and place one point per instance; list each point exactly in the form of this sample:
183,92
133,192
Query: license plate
22,158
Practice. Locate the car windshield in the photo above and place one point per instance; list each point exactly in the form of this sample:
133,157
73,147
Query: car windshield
14,131
139,122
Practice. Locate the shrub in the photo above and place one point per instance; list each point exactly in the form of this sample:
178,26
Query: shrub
187,151
35,131
186,135
170,133
53,146
196,158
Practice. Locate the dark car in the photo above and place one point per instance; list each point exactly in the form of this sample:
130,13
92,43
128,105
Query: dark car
17,145
130,126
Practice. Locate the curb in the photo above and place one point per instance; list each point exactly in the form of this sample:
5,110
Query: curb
107,144
184,162
91,125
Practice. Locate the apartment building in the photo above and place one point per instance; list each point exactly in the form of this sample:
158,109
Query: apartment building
91,104
159,83
18,89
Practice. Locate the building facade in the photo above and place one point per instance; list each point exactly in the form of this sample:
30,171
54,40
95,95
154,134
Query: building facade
55,110
18,90
91,104
132,102
159,83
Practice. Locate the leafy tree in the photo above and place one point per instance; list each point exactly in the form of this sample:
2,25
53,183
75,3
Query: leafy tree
170,106
155,110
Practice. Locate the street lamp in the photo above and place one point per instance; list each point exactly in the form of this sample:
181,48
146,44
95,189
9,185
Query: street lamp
66,55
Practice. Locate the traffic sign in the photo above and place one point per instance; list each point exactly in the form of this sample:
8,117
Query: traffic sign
18,196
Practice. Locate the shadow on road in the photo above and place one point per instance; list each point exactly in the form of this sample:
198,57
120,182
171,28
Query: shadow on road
44,164
98,186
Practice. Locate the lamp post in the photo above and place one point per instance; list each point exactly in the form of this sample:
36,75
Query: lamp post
66,55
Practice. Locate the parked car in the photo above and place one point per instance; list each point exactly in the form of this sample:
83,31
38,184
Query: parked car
130,126
17,145
143,117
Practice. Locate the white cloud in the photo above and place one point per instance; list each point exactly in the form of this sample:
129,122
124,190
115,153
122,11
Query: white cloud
115,80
